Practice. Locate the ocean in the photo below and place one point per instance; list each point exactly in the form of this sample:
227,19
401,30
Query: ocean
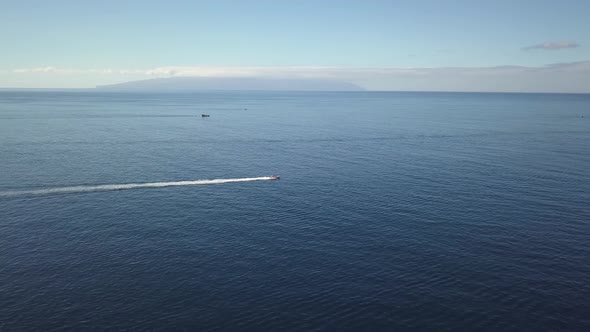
394,211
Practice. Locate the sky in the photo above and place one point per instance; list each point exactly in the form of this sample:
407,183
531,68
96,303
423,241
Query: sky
500,45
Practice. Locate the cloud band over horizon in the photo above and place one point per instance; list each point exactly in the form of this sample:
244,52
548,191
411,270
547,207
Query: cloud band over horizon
561,77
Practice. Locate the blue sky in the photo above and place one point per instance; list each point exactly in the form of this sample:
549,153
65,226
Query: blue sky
82,40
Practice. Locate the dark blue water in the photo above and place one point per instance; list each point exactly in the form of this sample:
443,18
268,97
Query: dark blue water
418,211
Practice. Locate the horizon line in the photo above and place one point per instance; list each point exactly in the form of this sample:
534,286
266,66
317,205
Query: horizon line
141,91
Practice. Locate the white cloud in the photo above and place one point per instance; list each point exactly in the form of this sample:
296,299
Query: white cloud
34,70
211,71
563,77
69,71
551,46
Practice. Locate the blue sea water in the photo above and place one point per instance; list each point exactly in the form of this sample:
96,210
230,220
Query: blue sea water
395,211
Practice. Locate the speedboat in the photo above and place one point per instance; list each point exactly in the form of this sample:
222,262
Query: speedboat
275,177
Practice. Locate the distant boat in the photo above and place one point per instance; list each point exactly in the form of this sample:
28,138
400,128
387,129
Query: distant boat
275,177
204,115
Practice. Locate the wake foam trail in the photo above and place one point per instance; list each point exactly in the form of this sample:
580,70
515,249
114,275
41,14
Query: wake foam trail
126,186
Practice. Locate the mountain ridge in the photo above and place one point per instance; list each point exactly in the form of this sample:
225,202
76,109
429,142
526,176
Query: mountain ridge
232,83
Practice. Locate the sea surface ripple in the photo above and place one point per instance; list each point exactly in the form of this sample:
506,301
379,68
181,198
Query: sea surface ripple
395,211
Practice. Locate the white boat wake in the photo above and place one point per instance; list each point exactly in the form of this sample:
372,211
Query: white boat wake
126,186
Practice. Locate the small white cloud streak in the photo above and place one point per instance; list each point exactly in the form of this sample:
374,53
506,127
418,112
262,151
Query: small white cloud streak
68,71
552,46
